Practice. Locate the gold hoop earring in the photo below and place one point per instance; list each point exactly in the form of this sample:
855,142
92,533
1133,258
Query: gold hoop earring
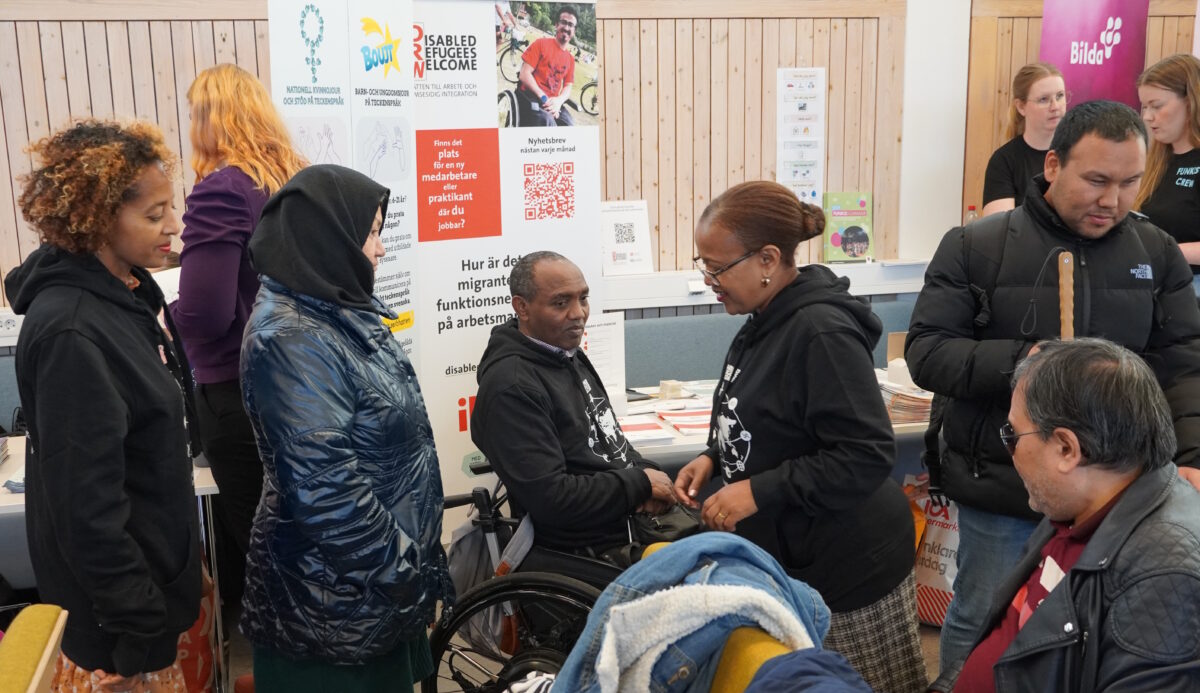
766,281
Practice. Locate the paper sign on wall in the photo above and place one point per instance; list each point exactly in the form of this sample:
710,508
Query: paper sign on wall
800,131
625,225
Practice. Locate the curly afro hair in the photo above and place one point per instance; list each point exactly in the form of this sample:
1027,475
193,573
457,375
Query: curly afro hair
86,173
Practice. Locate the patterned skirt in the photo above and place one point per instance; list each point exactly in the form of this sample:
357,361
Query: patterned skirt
69,677
882,641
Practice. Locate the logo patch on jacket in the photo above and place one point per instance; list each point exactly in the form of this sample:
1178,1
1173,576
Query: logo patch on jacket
1142,272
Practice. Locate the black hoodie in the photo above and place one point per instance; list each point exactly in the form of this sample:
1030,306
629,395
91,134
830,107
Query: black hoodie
798,412
544,421
110,506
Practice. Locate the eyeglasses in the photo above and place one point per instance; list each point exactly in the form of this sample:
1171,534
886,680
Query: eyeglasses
698,263
567,24
1063,97
1010,438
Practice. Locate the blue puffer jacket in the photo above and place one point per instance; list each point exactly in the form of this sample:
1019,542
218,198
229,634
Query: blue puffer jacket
345,558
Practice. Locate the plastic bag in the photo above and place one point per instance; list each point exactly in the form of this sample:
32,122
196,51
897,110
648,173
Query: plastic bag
937,558
472,561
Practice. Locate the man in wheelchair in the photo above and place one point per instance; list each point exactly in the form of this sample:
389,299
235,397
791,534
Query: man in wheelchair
544,421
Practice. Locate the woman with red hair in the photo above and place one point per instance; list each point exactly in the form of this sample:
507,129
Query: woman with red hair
241,154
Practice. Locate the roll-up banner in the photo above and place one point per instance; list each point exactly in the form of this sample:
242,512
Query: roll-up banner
1098,45
429,99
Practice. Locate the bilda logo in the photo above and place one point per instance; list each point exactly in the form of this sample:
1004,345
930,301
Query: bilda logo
1085,53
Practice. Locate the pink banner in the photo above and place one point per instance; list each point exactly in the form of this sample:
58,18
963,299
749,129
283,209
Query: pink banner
1099,45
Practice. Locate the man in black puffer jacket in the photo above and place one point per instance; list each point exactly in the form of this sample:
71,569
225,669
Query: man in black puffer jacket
991,293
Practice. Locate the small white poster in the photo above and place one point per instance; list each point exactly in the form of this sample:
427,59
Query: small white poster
625,239
604,344
800,128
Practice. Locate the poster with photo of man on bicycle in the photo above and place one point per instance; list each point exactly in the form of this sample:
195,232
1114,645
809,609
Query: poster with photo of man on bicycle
547,74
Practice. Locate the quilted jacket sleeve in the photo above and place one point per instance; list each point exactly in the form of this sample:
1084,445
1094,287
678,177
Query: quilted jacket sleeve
1151,641
941,349
303,403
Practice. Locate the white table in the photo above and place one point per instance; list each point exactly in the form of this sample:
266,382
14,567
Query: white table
13,467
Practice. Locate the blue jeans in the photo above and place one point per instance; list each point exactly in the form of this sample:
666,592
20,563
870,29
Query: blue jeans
988,547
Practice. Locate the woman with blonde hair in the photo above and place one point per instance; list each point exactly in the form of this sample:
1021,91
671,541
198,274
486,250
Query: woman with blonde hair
242,154
1039,100
1170,94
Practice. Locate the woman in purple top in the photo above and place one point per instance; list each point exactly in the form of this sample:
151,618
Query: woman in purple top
241,153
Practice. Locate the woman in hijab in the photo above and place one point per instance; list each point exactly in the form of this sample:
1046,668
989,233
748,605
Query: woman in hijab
345,564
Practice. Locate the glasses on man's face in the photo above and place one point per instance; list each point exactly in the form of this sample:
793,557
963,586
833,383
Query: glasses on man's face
1010,438
570,25
1062,97
712,275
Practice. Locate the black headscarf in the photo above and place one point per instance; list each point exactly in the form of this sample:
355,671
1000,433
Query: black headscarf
312,231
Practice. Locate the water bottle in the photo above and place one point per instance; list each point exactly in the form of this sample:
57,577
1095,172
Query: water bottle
971,215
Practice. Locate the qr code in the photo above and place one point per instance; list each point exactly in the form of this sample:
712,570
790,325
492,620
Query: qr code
623,232
550,191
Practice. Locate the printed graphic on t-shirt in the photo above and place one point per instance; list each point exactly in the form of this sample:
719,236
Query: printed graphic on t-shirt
733,438
605,438
1185,176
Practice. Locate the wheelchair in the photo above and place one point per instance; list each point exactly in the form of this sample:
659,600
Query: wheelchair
531,617
508,110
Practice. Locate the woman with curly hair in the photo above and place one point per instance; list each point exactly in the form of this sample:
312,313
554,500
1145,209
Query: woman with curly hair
241,154
108,471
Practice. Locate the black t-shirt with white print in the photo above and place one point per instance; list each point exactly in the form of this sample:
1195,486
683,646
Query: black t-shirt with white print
1174,206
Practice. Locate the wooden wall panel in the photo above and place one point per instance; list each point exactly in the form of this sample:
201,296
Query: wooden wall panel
1007,34
648,152
54,71
688,92
684,122
75,55
725,63
701,119
120,69
665,156
95,39
79,65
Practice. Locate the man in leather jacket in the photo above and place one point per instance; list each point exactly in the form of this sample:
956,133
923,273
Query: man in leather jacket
1107,594
991,293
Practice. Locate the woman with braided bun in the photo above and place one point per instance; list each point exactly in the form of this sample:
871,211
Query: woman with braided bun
800,437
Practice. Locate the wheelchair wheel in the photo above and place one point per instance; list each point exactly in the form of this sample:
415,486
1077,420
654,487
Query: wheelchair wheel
589,99
542,614
510,63
506,104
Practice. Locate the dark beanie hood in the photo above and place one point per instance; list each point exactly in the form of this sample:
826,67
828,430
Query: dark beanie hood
312,231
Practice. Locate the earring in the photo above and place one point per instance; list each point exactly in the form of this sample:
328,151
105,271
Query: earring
766,281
